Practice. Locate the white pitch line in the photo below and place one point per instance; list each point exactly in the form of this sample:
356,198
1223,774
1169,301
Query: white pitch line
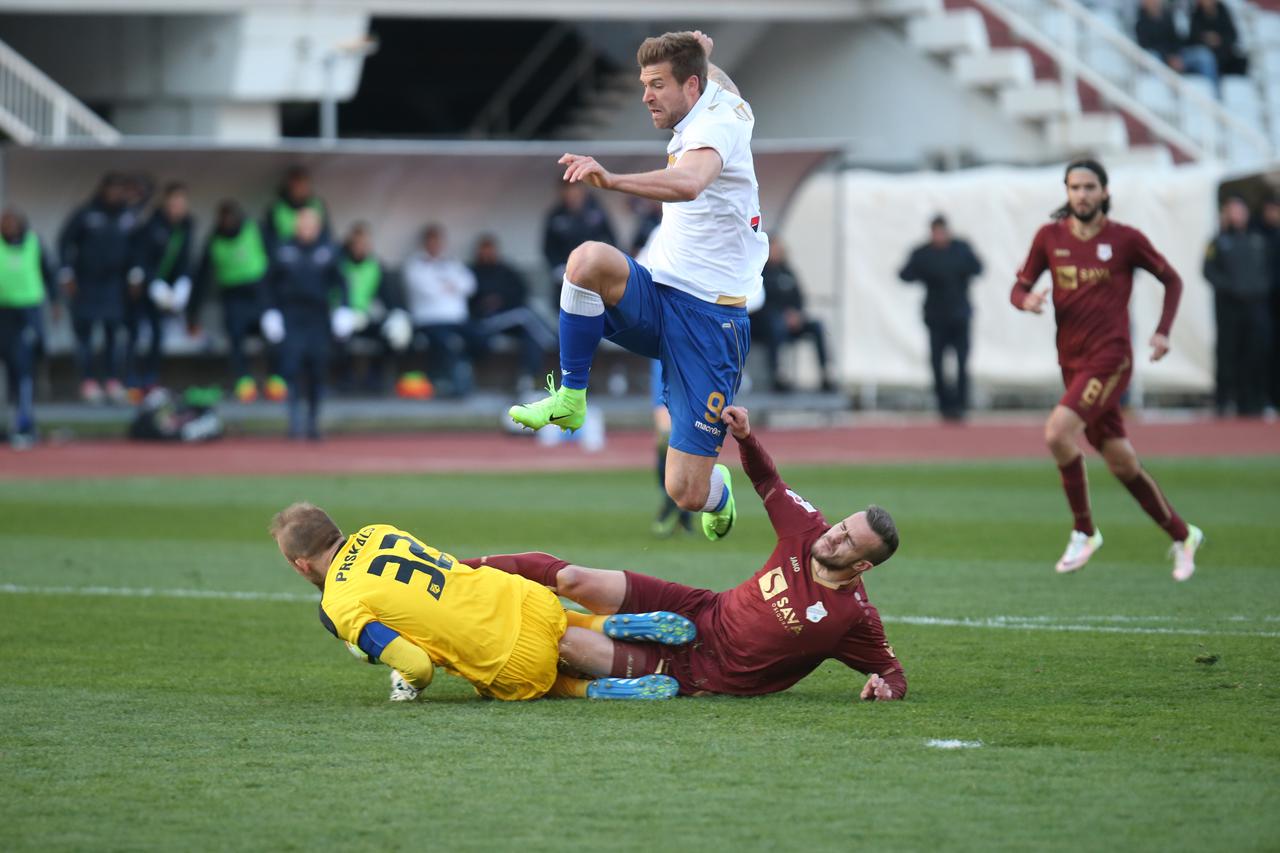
156,592
1035,624
938,743
1017,623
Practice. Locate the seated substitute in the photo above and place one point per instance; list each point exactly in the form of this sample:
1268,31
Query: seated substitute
806,604
499,306
782,320
396,600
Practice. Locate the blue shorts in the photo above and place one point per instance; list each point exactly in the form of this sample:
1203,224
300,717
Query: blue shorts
657,384
702,347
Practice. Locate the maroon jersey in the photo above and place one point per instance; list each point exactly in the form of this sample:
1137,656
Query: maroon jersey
1092,280
777,626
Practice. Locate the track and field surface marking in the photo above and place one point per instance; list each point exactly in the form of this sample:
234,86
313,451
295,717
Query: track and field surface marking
1082,624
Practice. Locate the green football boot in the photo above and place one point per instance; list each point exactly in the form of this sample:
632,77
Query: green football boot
716,525
565,408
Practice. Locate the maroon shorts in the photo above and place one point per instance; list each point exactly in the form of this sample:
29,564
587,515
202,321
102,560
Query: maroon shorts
691,665
1094,392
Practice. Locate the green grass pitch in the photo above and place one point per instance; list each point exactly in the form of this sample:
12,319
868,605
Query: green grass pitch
1114,708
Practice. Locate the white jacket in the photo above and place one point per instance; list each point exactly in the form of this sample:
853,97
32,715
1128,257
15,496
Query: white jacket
436,289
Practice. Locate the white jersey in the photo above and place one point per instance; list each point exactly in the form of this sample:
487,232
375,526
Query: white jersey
714,247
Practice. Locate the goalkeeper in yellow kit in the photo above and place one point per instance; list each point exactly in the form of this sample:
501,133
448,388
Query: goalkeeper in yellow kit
395,600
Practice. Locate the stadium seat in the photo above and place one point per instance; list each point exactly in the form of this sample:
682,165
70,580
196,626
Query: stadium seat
1156,95
1195,118
1267,30
1240,97
1108,61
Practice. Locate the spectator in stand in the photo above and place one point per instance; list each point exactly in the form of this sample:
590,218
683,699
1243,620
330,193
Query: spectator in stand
946,266
159,283
575,219
783,321
26,283
235,262
1271,227
1237,265
500,306
436,289
94,251
302,288
1157,33
1213,27
373,294
295,194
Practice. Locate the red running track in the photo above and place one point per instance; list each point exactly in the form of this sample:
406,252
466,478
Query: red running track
463,452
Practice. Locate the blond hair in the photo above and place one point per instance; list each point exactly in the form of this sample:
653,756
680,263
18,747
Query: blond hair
304,530
682,50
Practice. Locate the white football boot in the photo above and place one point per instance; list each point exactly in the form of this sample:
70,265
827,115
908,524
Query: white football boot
401,690
1184,553
1080,548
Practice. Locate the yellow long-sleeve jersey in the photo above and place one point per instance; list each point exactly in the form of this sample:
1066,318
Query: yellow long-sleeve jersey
467,620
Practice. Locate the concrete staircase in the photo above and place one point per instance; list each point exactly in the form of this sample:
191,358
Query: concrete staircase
1031,57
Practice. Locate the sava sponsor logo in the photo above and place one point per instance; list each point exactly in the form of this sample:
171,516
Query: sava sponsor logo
705,428
772,584
786,614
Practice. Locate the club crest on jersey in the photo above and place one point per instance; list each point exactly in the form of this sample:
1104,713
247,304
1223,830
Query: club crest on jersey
815,612
1104,251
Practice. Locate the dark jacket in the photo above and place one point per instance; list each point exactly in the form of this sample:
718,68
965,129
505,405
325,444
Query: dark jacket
304,281
499,287
946,274
1227,50
1159,34
565,230
94,249
1237,263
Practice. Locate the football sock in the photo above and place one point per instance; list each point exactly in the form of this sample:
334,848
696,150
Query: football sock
590,621
1076,484
717,495
568,687
1150,498
537,566
581,328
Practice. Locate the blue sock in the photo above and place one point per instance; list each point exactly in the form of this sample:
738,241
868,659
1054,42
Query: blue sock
581,328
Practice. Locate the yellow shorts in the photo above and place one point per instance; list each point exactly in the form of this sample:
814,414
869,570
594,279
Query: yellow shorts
531,670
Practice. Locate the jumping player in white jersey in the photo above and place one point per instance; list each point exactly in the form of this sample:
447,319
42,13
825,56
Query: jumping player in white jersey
686,308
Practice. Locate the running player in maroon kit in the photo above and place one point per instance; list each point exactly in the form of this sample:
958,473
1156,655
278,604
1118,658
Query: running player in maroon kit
804,606
1092,261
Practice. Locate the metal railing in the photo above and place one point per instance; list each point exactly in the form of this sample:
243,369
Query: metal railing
33,108
1176,110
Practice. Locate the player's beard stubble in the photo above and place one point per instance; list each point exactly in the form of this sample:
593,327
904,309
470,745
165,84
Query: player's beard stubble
1085,213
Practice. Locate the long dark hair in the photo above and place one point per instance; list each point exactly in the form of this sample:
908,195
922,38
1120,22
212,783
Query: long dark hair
1093,166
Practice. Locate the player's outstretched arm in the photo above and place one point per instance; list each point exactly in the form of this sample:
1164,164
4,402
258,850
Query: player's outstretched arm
788,512
685,181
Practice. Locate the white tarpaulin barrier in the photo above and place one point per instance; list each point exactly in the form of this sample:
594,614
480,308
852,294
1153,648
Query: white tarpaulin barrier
998,211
